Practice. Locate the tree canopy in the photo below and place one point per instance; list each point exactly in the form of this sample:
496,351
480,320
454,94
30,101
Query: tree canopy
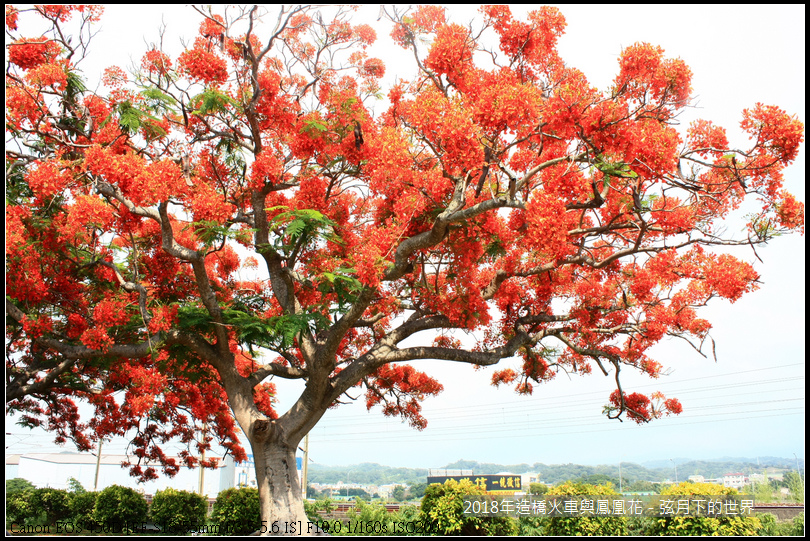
206,227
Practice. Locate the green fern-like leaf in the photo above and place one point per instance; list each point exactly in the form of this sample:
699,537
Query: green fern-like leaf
302,226
159,101
212,101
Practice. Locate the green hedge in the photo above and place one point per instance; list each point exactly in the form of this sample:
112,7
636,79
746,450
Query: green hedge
177,510
442,512
117,505
237,511
725,526
562,526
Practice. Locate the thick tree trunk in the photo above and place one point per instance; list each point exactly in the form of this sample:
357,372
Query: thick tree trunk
282,505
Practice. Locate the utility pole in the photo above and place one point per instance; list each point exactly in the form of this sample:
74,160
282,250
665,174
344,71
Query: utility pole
202,458
304,466
620,478
98,465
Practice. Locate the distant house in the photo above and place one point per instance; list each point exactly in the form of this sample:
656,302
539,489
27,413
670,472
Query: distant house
527,479
697,478
385,491
758,478
734,480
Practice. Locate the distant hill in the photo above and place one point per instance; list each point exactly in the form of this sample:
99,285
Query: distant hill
366,473
653,471
763,461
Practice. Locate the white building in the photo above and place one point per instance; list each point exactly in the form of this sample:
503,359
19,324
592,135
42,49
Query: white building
734,480
758,478
53,470
385,491
12,466
527,479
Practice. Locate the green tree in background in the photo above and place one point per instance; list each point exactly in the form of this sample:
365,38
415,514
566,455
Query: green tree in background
538,488
75,486
18,484
795,484
417,491
398,494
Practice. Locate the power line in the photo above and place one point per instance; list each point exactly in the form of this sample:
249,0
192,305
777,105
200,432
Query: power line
528,435
438,414
529,401
567,421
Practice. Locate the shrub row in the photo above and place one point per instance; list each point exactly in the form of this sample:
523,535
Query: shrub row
235,510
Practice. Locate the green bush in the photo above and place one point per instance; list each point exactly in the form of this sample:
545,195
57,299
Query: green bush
442,512
178,510
82,509
726,526
18,506
795,527
312,508
575,525
237,511
27,506
368,519
19,510
407,513
52,502
118,506
771,527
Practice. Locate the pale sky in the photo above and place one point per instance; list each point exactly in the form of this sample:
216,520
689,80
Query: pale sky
749,403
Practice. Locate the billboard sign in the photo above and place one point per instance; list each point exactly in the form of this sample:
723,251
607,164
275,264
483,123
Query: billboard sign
493,484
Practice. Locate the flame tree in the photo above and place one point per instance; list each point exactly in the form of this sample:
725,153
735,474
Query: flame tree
218,223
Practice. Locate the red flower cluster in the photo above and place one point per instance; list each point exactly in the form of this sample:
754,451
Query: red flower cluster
203,66
48,179
12,14
155,61
373,67
401,381
636,405
47,75
425,19
791,212
366,34
643,68
451,52
212,27
534,42
33,52
775,131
